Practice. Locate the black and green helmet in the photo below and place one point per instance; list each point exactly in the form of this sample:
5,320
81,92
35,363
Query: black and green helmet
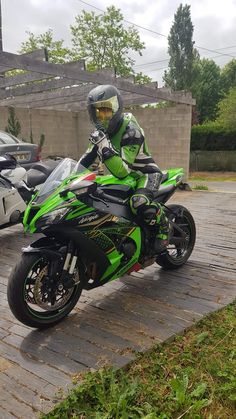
105,107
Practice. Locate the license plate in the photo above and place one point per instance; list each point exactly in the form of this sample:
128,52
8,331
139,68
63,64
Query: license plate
21,157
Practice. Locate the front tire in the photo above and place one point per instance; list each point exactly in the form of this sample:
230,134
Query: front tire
178,254
34,298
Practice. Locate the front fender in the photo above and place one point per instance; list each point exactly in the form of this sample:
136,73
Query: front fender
46,246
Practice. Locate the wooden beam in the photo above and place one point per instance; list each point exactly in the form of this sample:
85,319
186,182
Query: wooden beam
20,79
39,54
31,77
78,101
97,77
36,88
45,97
75,98
44,86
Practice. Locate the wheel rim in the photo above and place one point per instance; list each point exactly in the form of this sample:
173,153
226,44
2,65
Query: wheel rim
44,297
179,252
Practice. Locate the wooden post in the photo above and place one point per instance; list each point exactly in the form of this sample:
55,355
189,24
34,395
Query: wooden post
1,47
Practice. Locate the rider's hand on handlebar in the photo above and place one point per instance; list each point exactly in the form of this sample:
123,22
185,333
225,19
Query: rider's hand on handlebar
104,146
97,136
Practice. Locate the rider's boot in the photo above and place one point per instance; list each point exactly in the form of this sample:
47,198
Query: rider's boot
158,219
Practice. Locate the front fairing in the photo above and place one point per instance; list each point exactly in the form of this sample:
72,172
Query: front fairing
48,200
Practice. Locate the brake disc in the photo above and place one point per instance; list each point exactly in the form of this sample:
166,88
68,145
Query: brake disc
42,299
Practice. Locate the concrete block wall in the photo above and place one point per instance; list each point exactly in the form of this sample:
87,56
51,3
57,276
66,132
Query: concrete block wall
168,134
60,129
66,133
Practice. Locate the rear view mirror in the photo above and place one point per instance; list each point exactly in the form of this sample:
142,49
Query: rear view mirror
7,161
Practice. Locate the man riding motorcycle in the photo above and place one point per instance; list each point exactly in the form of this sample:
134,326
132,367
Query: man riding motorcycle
120,144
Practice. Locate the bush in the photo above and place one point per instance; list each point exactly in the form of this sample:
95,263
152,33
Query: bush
212,137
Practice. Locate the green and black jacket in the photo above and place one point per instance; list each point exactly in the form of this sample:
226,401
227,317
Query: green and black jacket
131,152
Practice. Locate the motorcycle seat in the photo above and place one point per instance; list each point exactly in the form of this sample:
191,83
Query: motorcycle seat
165,176
40,171
164,190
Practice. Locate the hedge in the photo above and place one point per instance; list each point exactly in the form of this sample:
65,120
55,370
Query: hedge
212,137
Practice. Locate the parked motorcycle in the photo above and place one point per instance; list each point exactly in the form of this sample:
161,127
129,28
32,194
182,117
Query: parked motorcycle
90,237
17,187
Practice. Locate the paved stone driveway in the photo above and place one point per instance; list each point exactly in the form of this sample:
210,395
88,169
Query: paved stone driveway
112,322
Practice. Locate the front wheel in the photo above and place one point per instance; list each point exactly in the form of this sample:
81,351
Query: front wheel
35,298
182,238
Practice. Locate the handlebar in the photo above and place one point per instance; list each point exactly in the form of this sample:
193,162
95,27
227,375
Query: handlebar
102,195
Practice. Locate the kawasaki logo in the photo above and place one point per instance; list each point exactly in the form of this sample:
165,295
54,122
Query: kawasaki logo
88,219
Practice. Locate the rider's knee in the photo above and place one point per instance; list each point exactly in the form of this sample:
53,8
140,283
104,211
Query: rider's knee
141,199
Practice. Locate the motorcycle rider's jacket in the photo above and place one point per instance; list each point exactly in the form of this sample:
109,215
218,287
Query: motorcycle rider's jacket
127,152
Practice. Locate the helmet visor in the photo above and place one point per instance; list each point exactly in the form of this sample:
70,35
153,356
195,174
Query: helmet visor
105,109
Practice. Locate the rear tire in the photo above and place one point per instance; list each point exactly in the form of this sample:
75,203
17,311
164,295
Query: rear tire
177,256
28,293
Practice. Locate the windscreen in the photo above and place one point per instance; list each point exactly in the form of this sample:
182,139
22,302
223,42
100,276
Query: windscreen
65,169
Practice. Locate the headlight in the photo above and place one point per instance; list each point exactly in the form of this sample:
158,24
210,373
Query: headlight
52,217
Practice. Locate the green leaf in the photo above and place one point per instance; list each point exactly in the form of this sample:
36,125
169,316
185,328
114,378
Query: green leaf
200,404
180,387
199,391
201,337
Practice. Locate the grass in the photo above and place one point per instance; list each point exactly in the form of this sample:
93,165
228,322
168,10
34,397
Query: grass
191,377
213,176
200,187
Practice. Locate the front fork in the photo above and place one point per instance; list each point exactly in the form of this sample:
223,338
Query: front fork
68,270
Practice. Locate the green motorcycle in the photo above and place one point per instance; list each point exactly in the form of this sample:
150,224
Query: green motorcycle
90,237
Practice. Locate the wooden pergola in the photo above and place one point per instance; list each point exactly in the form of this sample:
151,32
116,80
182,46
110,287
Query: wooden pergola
45,85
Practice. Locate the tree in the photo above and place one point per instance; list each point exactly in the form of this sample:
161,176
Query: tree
227,110
181,51
13,123
228,76
103,41
57,53
206,89
141,78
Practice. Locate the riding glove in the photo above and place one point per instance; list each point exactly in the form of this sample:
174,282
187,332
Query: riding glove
104,146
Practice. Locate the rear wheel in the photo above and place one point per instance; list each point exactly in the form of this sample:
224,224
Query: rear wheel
181,246
35,298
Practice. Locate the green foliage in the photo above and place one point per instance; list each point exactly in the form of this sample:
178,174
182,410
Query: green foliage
113,395
181,51
201,187
104,42
57,53
41,141
201,337
179,387
100,39
212,136
13,123
191,377
141,78
227,111
228,76
206,89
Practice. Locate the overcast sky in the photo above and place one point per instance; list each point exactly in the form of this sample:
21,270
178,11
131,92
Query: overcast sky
214,25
